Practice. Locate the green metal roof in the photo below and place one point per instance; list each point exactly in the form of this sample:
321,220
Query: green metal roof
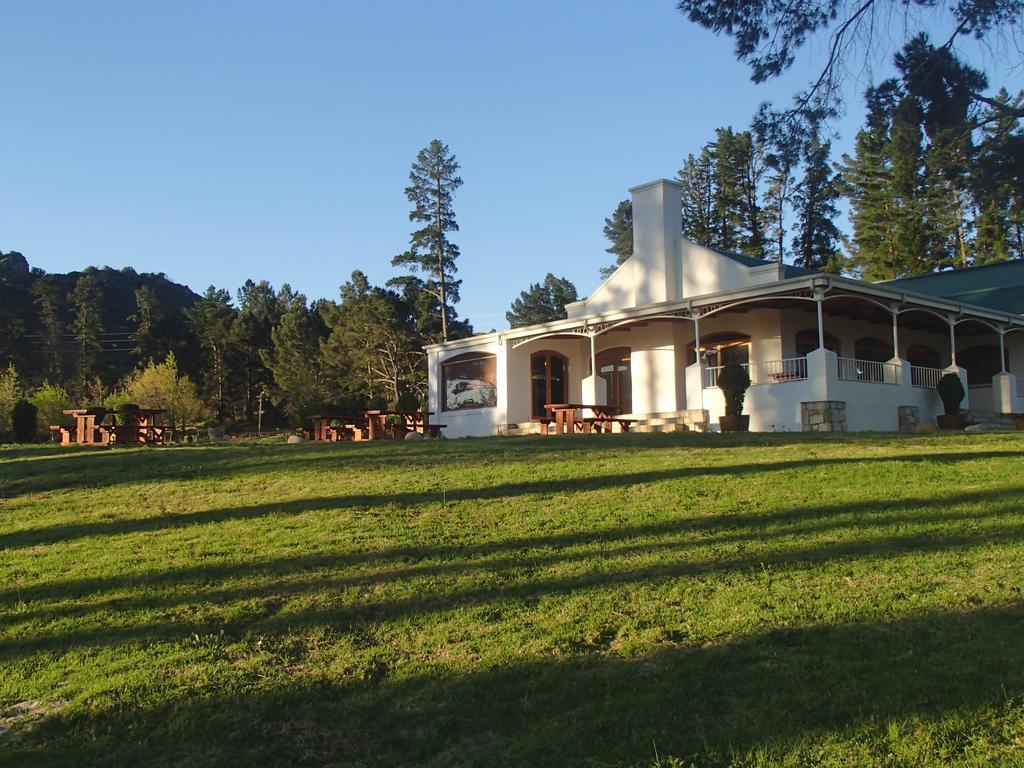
788,270
995,286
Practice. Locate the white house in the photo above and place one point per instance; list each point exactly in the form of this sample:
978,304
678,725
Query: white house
659,329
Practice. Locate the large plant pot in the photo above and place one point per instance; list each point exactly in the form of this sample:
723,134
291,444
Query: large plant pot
952,421
734,423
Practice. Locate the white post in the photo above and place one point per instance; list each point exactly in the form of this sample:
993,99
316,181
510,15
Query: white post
952,342
696,351
818,301
1002,351
895,334
593,357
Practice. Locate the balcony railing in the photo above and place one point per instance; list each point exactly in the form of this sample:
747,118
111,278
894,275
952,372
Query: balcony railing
778,371
764,372
851,369
926,378
711,375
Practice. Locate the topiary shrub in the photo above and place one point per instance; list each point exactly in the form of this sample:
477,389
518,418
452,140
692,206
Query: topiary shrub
734,381
951,390
23,421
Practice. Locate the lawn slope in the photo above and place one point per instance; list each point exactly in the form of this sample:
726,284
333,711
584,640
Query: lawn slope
612,600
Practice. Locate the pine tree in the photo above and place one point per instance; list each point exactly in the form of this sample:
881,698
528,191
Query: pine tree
210,319
619,231
780,162
258,312
435,179
542,302
815,245
697,178
86,327
373,350
148,316
295,361
50,309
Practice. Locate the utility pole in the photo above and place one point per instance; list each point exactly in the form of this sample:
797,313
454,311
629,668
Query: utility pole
259,416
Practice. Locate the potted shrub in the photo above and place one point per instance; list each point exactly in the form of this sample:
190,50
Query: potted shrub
951,390
733,380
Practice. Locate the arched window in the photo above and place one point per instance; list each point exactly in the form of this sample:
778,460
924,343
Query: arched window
872,349
923,356
722,348
469,380
614,367
807,341
982,363
549,381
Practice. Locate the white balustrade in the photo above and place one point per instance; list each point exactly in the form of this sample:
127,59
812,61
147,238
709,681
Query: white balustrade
926,378
851,369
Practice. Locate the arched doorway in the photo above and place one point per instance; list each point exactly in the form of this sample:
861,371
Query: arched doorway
613,365
806,341
549,381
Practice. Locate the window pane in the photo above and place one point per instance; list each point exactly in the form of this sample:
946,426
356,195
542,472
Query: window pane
470,382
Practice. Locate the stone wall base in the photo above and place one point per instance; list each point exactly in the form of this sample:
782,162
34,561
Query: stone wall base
696,419
823,416
910,417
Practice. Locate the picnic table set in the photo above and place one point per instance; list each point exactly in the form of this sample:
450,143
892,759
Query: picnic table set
126,426
376,424
562,419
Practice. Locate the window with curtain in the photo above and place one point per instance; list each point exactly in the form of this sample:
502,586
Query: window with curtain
469,381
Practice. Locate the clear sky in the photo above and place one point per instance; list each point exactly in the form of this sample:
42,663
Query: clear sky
218,141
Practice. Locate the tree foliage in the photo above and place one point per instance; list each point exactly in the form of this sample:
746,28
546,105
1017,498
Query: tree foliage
768,35
294,360
434,180
160,385
542,302
373,349
619,231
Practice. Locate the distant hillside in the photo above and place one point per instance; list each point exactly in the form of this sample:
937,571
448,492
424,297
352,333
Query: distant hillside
22,328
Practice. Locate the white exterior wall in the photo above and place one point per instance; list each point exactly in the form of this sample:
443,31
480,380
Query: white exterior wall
577,351
469,421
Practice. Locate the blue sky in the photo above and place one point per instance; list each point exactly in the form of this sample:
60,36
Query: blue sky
221,141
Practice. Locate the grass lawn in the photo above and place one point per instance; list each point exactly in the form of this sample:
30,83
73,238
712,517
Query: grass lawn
632,600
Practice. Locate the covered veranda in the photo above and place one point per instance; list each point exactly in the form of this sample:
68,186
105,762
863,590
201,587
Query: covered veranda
820,338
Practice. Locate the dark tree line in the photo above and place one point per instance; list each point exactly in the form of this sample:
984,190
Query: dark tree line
86,334
936,180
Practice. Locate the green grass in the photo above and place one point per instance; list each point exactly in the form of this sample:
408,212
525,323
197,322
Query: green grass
597,601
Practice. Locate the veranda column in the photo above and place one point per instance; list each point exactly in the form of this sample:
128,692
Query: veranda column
696,352
952,342
1004,384
818,301
895,333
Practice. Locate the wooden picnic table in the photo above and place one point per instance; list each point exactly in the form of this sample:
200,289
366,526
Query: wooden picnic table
333,428
137,427
411,421
564,416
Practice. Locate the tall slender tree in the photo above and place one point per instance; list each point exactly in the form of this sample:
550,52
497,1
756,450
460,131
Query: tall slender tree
697,178
86,327
210,319
815,245
434,180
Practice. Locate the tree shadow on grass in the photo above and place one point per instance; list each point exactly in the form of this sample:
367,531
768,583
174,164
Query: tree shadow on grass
28,537
608,555
776,692
47,469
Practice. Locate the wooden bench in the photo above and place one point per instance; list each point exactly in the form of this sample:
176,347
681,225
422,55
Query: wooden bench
604,424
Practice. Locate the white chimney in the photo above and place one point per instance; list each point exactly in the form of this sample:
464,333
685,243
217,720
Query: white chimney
657,241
